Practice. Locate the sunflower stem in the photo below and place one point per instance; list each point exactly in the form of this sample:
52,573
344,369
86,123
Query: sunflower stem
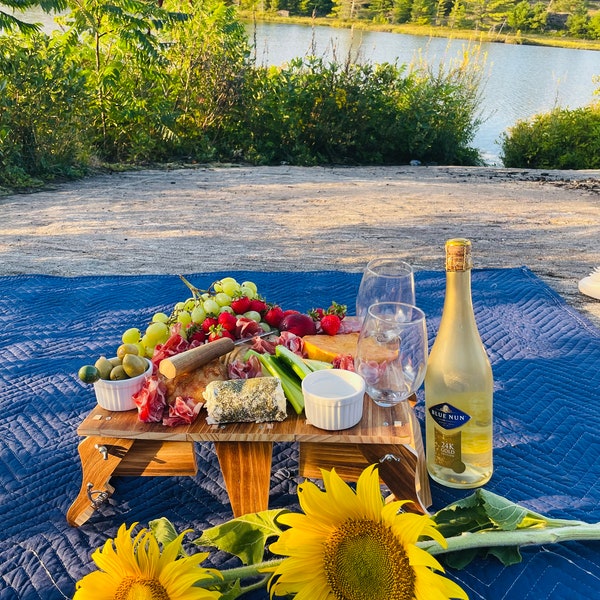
246,572
519,537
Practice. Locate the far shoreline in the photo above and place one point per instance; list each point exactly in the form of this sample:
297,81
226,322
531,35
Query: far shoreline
429,31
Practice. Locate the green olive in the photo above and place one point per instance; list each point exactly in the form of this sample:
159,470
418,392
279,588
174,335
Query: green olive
134,365
89,374
115,361
118,373
104,367
125,349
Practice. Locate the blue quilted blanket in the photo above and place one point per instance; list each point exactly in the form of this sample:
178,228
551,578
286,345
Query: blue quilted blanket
546,362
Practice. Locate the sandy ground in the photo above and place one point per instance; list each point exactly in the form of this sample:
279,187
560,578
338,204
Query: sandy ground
224,218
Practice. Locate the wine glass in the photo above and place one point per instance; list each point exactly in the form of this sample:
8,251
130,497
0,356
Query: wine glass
392,352
385,279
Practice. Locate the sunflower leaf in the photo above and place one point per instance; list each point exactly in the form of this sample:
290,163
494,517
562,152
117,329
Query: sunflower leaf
164,531
245,536
482,511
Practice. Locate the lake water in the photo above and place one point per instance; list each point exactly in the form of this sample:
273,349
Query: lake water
519,81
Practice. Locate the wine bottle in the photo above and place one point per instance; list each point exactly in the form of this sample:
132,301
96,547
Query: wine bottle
459,385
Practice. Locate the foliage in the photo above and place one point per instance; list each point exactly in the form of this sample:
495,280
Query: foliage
122,54
43,110
207,64
561,139
313,112
132,82
527,17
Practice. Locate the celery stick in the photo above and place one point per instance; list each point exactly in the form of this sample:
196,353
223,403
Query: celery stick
296,362
291,388
317,365
290,385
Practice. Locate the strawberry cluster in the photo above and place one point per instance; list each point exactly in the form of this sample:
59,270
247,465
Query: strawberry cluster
329,321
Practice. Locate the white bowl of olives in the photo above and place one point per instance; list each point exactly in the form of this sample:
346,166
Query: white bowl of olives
117,379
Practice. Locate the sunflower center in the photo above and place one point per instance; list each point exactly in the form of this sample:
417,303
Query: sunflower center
364,560
138,588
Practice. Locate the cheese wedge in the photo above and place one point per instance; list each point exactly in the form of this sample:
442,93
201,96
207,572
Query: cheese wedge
327,347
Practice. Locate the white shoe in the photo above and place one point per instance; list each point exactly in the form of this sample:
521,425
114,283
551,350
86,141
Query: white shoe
590,286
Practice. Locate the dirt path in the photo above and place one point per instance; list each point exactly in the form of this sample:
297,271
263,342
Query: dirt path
293,218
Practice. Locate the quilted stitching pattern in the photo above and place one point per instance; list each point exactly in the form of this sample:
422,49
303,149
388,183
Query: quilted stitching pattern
546,362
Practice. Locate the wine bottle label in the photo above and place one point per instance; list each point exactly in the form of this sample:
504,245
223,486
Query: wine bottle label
447,451
448,416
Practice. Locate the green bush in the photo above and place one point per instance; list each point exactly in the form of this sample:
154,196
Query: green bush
313,112
43,111
135,82
560,139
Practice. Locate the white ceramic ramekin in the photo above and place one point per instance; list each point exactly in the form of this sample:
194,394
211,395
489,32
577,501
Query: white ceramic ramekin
117,395
333,398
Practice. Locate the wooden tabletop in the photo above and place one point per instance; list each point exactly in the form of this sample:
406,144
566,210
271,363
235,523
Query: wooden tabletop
378,426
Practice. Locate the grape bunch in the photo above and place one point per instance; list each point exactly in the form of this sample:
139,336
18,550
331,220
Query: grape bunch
207,315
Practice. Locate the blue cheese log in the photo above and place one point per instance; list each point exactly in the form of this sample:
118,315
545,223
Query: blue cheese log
256,400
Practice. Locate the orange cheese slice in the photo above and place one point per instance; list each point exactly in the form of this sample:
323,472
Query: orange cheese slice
327,347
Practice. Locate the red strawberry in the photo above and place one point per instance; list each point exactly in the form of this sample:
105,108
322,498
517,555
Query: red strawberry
258,305
274,316
330,324
217,332
241,305
228,321
197,335
208,323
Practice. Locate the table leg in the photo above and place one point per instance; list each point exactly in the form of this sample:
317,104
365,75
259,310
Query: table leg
399,468
246,468
99,458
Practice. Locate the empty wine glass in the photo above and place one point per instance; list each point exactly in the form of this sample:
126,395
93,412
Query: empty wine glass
385,279
392,351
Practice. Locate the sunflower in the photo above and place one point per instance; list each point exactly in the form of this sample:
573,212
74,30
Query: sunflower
135,569
353,546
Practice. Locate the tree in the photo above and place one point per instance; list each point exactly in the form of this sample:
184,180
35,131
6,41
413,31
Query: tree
578,21
422,12
119,32
402,10
458,15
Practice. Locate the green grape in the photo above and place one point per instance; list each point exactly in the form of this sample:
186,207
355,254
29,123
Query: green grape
251,285
189,304
222,299
227,309
160,317
179,306
254,315
229,286
131,336
211,307
217,287
198,314
184,317
248,291
156,333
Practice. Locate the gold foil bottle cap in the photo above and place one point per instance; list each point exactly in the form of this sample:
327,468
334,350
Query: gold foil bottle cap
458,255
